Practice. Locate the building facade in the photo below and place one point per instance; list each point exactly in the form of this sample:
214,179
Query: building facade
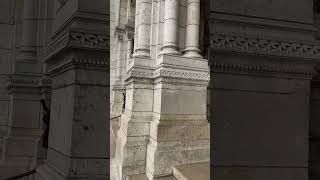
248,68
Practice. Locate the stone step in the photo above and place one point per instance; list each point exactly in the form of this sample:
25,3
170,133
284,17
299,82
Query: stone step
137,177
199,171
144,177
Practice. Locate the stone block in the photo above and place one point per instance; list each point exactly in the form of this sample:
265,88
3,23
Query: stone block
183,102
89,122
61,119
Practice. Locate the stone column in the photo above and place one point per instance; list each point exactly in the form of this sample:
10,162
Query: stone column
192,29
144,16
120,43
136,26
170,34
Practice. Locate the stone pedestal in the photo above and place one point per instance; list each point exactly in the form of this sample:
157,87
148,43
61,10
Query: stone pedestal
77,62
155,136
134,123
179,130
78,123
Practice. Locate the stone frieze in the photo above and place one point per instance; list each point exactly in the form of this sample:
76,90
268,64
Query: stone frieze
264,46
169,74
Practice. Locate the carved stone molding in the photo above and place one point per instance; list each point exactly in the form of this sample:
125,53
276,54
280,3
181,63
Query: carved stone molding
251,68
169,74
88,40
78,39
264,46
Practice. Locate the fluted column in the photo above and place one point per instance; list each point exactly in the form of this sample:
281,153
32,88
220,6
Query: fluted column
192,29
144,21
170,35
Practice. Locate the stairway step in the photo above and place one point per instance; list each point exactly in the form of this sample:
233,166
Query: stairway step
137,177
199,171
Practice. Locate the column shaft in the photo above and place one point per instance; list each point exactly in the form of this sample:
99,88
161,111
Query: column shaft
136,26
170,34
192,29
144,15
118,73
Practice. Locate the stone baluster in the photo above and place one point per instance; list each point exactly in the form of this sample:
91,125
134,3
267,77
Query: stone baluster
192,29
170,35
144,21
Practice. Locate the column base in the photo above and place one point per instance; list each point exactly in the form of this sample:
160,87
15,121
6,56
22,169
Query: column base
169,50
141,53
192,53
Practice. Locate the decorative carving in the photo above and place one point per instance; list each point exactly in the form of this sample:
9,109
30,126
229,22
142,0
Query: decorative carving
78,39
183,75
222,42
88,40
170,74
260,68
101,61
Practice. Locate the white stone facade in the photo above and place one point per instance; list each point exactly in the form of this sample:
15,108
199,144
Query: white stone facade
165,78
